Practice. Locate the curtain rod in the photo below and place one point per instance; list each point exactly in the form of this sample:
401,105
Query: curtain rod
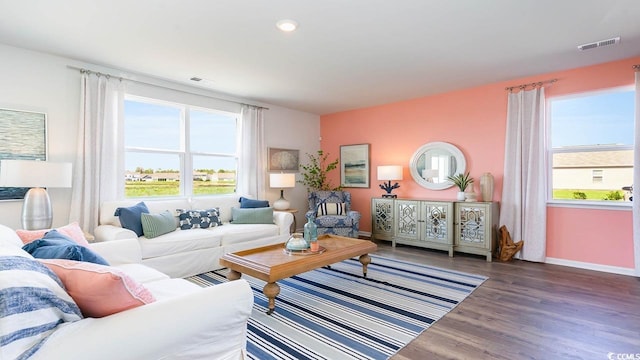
98,73
533,84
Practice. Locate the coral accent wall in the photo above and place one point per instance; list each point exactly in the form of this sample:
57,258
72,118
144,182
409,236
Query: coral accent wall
474,120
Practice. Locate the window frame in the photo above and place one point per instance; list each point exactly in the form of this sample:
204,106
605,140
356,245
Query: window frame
550,151
184,153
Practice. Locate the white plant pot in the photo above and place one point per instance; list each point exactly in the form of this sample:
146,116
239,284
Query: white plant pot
461,195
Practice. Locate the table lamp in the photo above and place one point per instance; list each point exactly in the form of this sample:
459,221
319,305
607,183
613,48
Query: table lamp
389,172
36,211
282,181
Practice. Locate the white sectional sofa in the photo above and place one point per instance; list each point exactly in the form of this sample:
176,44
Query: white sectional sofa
185,322
184,253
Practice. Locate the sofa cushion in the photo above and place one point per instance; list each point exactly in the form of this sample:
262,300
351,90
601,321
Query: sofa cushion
252,216
55,245
180,241
73,231
142,273
99,290
130,217
154,225
239,233
246,203
198,219
222,202
34,303
335,221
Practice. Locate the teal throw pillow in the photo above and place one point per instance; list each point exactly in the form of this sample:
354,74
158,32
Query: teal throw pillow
154,225
252,216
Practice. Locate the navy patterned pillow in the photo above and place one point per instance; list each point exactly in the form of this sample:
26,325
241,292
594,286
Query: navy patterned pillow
198,219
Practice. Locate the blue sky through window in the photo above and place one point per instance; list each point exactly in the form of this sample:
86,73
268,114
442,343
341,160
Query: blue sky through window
594,119
158,127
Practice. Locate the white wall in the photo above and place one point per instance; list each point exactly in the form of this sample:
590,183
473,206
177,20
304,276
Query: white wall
41,82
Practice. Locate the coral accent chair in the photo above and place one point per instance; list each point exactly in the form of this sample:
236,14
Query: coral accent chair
333,214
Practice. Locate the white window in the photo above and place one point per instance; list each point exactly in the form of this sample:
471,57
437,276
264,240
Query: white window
176,149
591,145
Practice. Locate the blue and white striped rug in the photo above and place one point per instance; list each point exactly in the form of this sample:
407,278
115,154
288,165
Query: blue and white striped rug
335,313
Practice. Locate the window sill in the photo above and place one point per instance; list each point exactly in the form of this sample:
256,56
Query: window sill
599,205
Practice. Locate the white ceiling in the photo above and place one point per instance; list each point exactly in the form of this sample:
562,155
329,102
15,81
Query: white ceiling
346,54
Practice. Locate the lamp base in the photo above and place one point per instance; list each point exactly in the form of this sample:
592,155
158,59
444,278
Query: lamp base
389,196
282,203
36,210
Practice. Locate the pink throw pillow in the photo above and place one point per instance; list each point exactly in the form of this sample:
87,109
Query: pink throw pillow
97,289
72,230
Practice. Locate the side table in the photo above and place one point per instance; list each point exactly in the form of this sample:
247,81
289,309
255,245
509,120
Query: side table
294,225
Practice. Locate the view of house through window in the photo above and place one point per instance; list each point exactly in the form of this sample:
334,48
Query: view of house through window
175,149
591,152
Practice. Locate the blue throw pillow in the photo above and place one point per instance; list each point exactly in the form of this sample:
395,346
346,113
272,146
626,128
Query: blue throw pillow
251,203
55,245
130,217
198,219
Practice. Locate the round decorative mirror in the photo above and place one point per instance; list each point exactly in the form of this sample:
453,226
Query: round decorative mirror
433,162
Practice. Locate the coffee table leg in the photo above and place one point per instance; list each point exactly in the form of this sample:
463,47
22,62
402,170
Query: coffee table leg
271,290
233,275
365,260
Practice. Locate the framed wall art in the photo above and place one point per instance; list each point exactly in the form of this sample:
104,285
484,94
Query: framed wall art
354,166
23,136
284,160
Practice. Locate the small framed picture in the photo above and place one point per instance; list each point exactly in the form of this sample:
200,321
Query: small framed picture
284,160
354,166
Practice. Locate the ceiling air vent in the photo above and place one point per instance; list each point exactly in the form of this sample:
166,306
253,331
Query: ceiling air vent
600,43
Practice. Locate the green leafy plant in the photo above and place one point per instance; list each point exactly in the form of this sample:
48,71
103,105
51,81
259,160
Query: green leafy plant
461,180
314,174
580,195
614,195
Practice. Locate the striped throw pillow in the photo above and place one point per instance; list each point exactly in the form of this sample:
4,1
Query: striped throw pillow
154,225
331,209
33,304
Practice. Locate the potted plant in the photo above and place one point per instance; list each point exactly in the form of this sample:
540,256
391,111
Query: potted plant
461,181
314,174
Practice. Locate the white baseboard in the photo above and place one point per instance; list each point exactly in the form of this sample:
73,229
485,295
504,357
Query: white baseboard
591,266
364,234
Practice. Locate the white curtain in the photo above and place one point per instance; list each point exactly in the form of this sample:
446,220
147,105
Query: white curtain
523,209
98,170
251,174
636,178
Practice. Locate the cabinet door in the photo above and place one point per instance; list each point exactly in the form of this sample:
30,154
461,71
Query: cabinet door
472,225
437,222
382,218
406,220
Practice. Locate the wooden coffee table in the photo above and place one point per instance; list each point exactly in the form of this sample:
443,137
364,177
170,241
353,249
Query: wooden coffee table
271,263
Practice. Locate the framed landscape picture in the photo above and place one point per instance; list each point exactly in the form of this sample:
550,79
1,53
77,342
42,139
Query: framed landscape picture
23,136
284,159
354,166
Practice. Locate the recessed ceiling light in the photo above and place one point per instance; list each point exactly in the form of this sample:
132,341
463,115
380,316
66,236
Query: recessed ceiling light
287,25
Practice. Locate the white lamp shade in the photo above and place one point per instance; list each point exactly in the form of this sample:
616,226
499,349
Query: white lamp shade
282,180
32,173
390,172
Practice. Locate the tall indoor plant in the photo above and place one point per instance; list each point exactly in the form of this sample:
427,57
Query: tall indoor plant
314,173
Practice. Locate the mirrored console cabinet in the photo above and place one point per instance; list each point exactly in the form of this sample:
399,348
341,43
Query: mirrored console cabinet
468,227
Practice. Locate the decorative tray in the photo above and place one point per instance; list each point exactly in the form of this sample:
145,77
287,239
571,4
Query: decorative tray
305,251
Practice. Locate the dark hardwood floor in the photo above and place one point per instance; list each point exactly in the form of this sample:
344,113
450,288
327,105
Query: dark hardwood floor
529,310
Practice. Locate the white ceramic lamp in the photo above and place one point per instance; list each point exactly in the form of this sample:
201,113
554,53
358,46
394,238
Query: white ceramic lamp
389,172
36,210
282,181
